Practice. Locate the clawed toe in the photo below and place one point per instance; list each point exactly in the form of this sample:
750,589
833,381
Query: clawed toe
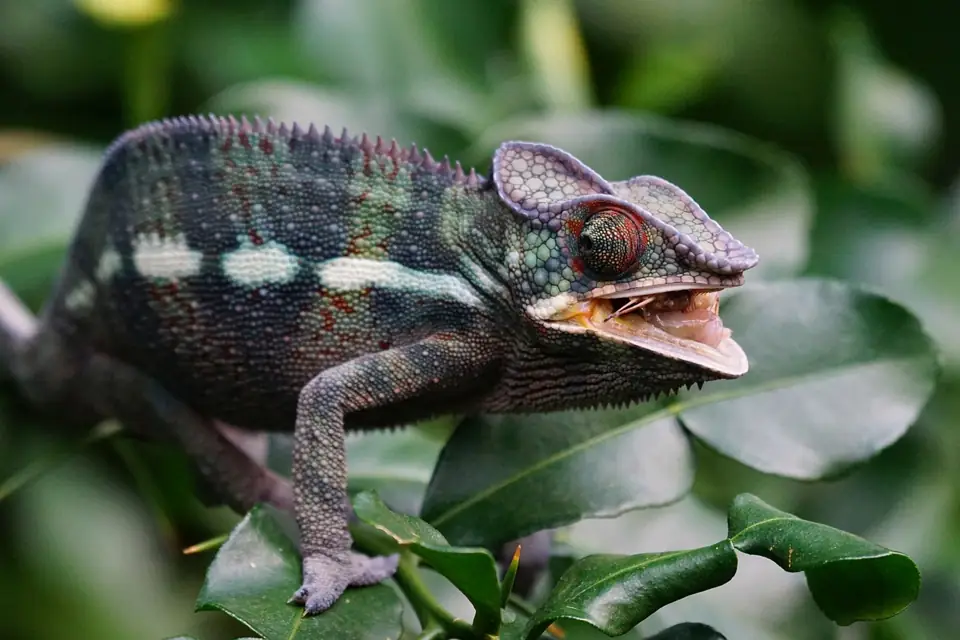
325,578
372,570
299,597
315,600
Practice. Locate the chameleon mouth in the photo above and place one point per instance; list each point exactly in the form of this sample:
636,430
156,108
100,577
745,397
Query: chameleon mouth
683,324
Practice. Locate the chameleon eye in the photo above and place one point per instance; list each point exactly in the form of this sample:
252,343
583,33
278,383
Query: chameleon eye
611,243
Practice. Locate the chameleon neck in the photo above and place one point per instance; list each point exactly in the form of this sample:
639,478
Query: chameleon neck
485,233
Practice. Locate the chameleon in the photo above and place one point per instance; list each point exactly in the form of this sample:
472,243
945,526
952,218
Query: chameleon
231,276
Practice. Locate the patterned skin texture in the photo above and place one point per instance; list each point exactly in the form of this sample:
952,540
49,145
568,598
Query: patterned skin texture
229,277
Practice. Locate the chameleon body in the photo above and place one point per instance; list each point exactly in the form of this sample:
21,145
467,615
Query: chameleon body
229,276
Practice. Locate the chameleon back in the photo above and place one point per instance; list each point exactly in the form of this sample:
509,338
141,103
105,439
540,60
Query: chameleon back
233,262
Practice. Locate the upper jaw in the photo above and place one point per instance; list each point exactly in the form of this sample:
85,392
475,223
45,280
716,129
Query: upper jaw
676,283
693,333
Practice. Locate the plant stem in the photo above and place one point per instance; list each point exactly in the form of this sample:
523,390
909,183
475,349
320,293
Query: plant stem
437,623
433,633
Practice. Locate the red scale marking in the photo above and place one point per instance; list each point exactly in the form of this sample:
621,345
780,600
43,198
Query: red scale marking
329,320
179,311
352,246
341,303
396,169
239,191
266,145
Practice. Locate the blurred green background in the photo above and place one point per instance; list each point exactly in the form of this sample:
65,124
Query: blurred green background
853,108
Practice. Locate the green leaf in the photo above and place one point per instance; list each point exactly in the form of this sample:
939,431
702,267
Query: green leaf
879,235
472,570
257,570
837,374
616,593
757,193
851,579
534,472
509,577
896,240
689,631
396,464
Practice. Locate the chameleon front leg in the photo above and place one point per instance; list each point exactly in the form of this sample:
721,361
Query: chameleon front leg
434,368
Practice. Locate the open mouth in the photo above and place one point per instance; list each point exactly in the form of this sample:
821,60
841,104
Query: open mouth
683,324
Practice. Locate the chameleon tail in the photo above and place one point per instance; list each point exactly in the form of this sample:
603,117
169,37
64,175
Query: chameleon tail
17,326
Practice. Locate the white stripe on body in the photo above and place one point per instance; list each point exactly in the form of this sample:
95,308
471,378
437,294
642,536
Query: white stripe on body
165,258
353,274
253,266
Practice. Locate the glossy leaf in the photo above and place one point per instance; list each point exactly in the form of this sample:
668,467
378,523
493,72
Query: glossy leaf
758,194
257,570
851,579
472,570
837,374
534,472
616,593
757,604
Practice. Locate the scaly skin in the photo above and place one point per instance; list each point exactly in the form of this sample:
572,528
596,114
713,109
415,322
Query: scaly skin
231,276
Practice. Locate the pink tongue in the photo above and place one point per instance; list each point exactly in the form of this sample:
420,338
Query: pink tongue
701,325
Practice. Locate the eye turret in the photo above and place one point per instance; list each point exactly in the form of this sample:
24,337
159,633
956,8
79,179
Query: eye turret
611,244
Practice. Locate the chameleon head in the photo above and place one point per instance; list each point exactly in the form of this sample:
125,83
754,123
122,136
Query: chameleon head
636,263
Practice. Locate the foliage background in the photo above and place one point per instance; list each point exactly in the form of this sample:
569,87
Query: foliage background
863,94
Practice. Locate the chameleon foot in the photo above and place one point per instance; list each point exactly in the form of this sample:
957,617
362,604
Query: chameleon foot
325,579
